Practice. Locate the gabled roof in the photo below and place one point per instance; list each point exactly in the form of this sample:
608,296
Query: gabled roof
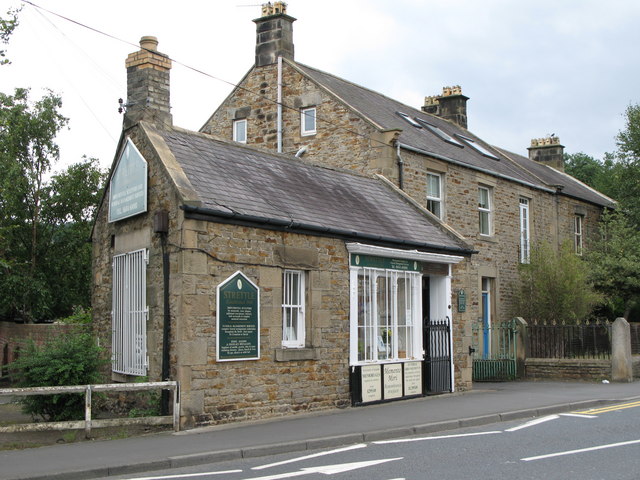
386,113
570,186
238,183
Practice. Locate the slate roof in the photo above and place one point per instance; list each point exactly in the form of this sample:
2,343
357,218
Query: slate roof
383,112
240,182
571,186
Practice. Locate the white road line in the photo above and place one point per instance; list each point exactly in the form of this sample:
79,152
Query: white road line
420,439
187,475
577,415
315,455
582,450
532,423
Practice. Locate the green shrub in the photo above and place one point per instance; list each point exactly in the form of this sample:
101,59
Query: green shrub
554,287
71,359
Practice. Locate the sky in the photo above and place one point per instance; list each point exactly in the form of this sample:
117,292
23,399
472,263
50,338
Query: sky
531,68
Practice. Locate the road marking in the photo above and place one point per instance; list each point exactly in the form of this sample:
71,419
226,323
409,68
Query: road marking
187,475
532,423
610,408
582,450
591,417
321,454
420,439
326,469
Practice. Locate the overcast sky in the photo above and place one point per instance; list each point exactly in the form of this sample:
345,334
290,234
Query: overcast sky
530,67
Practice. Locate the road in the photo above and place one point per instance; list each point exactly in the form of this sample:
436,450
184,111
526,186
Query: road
595,444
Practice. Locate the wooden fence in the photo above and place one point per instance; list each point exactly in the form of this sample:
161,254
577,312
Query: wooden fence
88,423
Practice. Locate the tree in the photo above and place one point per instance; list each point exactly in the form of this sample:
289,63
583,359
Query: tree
44,221
614,260
7,26
554,287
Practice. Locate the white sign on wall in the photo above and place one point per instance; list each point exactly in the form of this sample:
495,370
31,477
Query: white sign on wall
128,185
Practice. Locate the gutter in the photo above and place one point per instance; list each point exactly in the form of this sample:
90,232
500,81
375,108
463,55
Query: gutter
305,228
473,167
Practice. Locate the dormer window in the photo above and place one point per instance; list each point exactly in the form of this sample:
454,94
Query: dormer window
476,146
308,121
240,130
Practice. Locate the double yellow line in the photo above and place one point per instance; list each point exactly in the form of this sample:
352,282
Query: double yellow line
610,408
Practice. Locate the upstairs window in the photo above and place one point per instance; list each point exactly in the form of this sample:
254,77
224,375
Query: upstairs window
308,121
524,230
484,210
434,194
578,233
240,131
293,293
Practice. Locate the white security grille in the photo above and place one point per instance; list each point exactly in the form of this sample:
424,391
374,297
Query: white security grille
129,314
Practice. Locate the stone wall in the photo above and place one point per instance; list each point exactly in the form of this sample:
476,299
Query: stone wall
13,336
282,381
568,369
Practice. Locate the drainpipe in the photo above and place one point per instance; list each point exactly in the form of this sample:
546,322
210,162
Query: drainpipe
400,168
279,102
161,227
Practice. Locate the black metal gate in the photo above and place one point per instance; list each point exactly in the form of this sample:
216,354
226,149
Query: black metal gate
437,361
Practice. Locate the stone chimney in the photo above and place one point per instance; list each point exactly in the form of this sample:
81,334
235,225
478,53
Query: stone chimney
274,34
451,105
148,85
547,151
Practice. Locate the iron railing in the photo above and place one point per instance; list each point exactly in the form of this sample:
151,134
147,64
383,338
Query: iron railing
585,340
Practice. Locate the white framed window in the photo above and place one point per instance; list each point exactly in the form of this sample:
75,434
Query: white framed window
293,311
434,194
129,313
578,233
240,130
485,213
525,248
308,121
389,312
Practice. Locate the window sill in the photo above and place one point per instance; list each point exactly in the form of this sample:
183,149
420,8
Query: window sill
295,354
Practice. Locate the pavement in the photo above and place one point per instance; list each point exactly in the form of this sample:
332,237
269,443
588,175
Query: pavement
487,403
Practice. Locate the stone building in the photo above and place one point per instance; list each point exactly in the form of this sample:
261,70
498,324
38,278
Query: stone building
500,202
316,244
263,283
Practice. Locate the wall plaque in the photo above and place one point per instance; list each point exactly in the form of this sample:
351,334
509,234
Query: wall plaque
128,184
238,319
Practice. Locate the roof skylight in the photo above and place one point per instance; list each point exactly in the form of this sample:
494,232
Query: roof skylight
409,119
476,146
441,133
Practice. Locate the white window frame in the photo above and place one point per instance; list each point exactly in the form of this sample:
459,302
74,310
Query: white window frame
435,200
525,230
378,321
485,211
240,136
293,305
578,231
305,115
129,313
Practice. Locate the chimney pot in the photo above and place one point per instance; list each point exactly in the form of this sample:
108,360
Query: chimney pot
149,43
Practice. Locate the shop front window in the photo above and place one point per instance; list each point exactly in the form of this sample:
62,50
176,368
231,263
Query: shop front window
389,313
